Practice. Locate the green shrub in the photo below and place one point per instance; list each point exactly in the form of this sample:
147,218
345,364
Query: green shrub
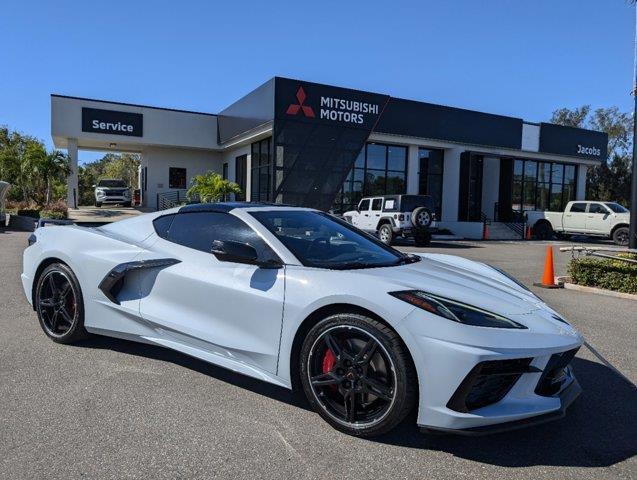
605,273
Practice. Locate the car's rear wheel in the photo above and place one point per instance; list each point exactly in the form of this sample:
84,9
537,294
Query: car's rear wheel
385,234
543,231
621,236
357,375
59,304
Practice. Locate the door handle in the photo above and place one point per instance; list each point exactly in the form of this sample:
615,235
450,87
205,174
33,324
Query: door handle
367,215
378,214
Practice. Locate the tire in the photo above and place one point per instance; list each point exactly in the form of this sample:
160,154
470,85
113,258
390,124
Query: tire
98,204
389,370
67,325
127,204
386,234
421,217
423,239
621,236
543,231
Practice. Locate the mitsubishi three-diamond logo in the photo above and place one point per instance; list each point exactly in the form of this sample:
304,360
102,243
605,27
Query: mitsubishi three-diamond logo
295,108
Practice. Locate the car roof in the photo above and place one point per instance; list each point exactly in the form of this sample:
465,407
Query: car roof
225,207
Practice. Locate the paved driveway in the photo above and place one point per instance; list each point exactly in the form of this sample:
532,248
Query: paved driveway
114,409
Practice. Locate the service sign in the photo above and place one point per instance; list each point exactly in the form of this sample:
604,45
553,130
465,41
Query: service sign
315,103
575,142
112,122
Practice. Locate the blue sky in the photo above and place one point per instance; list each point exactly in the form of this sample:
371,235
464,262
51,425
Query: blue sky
510,57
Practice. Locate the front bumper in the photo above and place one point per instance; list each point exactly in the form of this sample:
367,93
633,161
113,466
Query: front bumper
567,396
446,354
111,199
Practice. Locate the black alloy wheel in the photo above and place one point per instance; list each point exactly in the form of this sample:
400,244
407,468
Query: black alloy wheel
59,304
357,375
621,236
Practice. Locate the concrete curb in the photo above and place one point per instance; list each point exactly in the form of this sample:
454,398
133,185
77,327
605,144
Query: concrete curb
599,291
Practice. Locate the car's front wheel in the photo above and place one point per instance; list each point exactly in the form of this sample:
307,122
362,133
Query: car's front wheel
357,374
621,236
59,304
385,234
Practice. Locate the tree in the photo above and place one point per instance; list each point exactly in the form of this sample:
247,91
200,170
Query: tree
212,187
611,180
53,167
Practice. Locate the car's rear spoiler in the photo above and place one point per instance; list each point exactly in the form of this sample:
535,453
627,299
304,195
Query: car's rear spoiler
53,221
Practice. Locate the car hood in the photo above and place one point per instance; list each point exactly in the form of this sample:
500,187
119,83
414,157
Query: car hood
463,280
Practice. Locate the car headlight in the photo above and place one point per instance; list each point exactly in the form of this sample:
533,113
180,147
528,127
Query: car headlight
454,310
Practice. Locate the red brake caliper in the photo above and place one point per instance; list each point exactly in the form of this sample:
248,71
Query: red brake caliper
329,360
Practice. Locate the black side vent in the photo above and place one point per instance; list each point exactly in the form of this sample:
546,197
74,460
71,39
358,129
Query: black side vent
555,373
111,285
488,382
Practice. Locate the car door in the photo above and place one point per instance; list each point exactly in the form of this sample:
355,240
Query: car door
229,309
574,220
598,219
375,212
361,219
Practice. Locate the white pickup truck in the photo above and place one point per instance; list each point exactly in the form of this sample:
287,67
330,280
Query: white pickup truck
597,219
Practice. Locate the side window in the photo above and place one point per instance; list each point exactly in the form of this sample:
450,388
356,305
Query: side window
377,203
578,208
364,205
597,208
199,230
162,225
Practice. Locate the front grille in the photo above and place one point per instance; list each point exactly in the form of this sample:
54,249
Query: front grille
555,373
114,193
488,383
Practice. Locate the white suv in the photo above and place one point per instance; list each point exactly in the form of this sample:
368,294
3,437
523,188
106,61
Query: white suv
389,216
112,191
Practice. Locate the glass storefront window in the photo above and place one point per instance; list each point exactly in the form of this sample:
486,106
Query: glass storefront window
379,170
261,171
542,185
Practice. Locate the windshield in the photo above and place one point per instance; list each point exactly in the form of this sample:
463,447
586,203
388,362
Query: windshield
616,207
112,183
320,240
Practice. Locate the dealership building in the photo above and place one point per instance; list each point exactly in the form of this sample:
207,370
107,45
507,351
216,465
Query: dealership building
322,146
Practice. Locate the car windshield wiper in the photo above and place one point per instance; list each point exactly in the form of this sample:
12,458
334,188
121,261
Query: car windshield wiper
407,259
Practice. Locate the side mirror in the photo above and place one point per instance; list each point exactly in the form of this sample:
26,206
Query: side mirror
237,252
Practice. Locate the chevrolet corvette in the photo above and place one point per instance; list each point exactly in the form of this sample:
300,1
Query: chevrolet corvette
304,300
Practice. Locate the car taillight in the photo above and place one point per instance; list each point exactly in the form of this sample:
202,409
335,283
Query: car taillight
401,217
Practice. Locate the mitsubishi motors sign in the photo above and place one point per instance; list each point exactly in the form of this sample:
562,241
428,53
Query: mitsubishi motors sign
311,102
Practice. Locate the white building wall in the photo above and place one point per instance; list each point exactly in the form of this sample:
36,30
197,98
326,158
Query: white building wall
451,184
160,159
490,184
413,170
530,137
582,170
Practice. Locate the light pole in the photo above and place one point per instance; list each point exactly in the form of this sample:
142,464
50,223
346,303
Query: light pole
633,184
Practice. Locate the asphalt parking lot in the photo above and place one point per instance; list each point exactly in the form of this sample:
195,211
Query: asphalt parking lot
113,409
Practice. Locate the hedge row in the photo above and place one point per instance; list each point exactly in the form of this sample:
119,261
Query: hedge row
605,273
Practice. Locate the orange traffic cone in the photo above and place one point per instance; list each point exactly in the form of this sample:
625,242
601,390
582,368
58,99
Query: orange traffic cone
485,232
548,277
527,234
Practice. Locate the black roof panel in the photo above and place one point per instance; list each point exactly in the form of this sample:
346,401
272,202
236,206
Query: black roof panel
225,207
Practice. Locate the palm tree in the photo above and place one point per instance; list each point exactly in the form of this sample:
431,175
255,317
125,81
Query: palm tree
52,166
212,187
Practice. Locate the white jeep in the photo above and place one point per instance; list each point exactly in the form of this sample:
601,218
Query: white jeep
112,191
390,216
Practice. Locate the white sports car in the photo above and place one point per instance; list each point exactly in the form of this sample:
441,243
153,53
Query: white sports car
298,298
